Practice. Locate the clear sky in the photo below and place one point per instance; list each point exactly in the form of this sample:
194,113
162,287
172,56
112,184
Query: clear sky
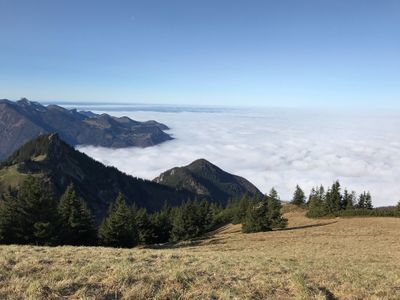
272,53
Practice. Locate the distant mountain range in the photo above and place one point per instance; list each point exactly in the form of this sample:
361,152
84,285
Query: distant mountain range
59,164
24,120
207,180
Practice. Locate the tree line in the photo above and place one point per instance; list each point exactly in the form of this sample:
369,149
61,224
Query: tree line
32,215
335,202
255,214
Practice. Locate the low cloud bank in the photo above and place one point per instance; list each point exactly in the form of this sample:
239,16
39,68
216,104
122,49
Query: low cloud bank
274,148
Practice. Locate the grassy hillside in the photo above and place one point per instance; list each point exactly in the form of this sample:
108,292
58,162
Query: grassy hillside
349,258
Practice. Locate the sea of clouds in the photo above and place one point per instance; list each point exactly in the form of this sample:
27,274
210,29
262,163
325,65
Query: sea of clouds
270,147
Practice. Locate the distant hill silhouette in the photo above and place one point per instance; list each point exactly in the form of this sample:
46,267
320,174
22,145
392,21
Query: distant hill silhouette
24,120
203,178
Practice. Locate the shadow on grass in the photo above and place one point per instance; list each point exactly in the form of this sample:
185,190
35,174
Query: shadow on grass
208,236
210,239
200,241
307,226
327,293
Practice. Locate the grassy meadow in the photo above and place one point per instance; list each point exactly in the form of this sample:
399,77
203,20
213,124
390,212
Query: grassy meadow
342,258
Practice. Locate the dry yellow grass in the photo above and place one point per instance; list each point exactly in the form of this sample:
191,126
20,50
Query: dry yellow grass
343,258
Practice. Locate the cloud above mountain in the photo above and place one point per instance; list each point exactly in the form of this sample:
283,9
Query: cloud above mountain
275,148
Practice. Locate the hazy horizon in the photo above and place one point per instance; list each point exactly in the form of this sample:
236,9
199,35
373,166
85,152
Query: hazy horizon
270,147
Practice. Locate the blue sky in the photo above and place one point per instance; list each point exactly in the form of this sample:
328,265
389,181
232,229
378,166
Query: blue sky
262,53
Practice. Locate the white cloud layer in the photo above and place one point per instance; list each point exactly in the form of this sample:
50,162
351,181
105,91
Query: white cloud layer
275,148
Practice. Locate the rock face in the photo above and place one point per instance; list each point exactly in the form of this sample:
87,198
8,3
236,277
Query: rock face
24,120
207,180
57,163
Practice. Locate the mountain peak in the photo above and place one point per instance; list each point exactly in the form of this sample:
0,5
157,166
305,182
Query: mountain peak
204,166
207,180
26,102
46,146
201,162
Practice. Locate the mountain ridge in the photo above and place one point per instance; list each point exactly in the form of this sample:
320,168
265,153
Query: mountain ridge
206,179
56,162
24,120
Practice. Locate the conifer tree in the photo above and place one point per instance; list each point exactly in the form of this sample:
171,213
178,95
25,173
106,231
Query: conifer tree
368,201
361,204
77,225
8,219
333,199
321,193
351,204
144,227
214,215
240,209
36,213
273,194
185,224
274,213
191,219
312,194
257,218
348,200
206,215
118,228
299,198
316,203
162,224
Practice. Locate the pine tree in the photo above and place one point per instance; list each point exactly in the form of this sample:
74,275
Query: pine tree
185,222
118,228
274,214
214,215
368,201
77,225
348,200
361,204
144,227
240,209
191,219
36,218
321,194
312,194
205,215
333,199
316,203
273,194
257,219
8,219
299,198
162,224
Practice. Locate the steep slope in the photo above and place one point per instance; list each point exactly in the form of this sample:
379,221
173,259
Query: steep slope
24,120
55,161
203,178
